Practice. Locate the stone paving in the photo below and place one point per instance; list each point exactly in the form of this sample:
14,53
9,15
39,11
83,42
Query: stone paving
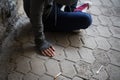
79,55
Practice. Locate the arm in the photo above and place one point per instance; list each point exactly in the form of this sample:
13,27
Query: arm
36,12
37,9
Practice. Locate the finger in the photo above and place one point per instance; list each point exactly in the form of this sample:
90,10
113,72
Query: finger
52,52
43,53
52,48
46,52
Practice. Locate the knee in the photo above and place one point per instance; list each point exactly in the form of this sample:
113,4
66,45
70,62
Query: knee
87,21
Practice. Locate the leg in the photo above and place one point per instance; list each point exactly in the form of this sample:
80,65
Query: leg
69,21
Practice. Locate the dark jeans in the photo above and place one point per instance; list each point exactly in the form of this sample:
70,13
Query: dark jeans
63,21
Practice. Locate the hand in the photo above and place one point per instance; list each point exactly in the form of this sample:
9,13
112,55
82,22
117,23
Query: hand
45,48
49,52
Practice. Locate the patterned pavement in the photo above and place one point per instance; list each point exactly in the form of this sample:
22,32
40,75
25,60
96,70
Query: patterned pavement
92,54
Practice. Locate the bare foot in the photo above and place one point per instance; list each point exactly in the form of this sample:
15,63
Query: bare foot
49,52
